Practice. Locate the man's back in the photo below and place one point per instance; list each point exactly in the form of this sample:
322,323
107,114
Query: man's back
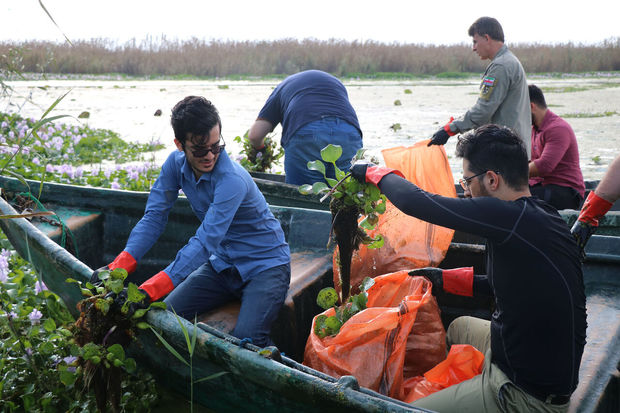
305,97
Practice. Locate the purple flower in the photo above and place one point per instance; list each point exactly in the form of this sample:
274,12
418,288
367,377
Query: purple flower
29,351
36,161
134,176
35,317
4,124
13,314
115,185
67,169
4,265
259,155
39,286
107,173
69,359
49,168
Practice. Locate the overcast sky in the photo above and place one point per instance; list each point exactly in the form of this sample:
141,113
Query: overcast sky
403,21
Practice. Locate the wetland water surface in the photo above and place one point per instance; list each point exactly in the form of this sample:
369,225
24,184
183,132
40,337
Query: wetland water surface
127,107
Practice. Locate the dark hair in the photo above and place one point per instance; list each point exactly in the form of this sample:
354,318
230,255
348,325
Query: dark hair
536,96
487,25
495,148
194,115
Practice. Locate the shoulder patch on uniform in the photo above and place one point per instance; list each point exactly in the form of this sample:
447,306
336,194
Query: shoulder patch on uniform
488,81
486,87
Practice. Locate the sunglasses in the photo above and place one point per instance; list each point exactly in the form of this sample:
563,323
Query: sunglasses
200,151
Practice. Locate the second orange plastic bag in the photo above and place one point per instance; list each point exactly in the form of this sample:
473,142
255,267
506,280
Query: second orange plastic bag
398,336
463,363
408,242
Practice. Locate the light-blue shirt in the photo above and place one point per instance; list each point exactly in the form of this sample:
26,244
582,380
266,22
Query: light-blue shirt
237,228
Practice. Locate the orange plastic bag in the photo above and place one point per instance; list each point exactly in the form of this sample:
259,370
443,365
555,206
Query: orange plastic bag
375,344
463,363
408,242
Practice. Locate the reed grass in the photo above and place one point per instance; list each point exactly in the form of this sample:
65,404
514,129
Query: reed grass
240,59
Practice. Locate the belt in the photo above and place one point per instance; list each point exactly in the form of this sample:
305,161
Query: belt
549,398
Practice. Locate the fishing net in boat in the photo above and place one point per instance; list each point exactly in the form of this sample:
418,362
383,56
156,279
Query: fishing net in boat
408,242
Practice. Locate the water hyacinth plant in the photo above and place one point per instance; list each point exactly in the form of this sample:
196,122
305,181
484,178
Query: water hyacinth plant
74,155
349,201
328,297
104,329
40,369
259,161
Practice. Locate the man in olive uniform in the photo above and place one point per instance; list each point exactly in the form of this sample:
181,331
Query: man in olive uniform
504,97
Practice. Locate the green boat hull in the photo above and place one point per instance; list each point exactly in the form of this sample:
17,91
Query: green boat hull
101,219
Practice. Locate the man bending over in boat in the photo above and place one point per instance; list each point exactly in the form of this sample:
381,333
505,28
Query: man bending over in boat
534,341
238,252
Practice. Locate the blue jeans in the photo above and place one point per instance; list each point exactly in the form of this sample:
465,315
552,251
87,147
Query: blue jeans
261,298
306,144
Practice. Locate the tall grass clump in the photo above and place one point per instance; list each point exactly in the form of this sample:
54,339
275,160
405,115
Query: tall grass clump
216,58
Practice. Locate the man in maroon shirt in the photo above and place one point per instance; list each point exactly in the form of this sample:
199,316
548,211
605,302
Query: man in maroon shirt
555,175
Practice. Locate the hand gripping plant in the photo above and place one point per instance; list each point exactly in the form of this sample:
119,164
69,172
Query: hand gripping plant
261,160
108,316
350,200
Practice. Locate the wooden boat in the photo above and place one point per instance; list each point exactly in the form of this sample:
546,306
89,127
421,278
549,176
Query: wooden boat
101,219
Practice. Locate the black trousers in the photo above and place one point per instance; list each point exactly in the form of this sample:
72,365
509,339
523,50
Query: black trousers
561,197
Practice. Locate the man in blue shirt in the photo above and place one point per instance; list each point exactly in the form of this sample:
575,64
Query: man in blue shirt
238,251
314,109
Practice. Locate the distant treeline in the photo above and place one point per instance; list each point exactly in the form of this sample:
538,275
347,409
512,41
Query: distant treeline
281,57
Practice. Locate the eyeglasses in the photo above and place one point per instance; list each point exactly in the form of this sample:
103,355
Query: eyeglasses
465,181
200,151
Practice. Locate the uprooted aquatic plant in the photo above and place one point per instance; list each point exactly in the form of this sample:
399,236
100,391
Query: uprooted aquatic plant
328,297
350,200
104,328
259,161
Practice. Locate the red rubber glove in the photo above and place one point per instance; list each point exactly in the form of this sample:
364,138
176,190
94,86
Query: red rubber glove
366,172
157,286
593,209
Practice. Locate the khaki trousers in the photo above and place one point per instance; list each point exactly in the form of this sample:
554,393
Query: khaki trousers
490,391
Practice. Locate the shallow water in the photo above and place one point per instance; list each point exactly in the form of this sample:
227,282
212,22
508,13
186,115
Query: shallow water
127,107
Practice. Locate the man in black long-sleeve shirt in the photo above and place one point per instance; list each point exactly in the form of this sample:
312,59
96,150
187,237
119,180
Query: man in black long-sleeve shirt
536,336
